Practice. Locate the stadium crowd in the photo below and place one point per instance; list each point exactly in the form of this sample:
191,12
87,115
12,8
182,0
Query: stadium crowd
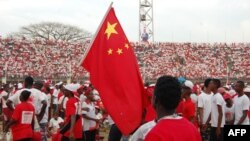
51,59
37,110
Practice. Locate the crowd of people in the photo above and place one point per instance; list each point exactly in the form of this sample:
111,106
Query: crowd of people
50,59
176,110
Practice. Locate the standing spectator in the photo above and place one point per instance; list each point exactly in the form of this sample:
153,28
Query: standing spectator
44,121
22,119
204,109
55,96
6,112
229,109
170,126
188,110
247,92
89,117
217,113
72,129
55,123
241,102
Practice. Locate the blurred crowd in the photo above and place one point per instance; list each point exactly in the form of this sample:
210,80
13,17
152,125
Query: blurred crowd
50,59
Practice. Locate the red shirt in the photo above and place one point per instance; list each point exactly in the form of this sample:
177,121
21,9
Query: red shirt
73,107
188,109
179,109
174,130
23,114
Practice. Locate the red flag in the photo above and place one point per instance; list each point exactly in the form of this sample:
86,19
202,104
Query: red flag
114,72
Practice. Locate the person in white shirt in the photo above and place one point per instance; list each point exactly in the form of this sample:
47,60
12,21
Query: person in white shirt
142,131
4,96
62,105
89,117
55,123
55,97
229,109
242,103
204,109
217,113
43,122
36,99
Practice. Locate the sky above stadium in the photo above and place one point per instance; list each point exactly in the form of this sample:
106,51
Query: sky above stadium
174,20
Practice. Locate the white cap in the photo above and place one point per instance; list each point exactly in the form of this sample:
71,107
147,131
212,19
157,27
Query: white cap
71,87
19,85
247,90
232,92
189,84
59,83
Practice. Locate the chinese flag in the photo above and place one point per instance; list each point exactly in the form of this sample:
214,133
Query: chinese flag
114,72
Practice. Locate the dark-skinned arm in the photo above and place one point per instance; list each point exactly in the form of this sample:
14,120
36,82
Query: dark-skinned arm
10,123
42,112
10,105
243,117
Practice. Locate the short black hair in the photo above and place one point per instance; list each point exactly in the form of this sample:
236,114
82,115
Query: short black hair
29,81
241,83
38,85
168,92
207,81
217,83
25,95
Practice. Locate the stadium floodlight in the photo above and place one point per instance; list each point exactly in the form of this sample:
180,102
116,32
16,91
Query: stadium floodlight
146,22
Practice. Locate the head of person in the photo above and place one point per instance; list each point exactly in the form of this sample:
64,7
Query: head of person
24,96
239,87
215,84
187,88
28,82
90,95
55,115
38,85
228,99
47,89
6,87
167,95
207,84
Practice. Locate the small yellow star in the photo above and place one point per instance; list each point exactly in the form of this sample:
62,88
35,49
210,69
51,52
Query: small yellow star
110,51
110,29
126,46
119,51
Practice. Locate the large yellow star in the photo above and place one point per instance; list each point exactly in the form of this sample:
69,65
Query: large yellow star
110,29
119,51
126,46
110,51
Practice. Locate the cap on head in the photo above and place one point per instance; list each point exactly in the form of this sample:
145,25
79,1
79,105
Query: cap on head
189,84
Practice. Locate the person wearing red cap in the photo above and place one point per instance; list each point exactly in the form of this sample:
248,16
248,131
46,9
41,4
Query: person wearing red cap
229,109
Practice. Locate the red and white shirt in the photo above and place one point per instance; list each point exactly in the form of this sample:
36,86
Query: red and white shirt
23,114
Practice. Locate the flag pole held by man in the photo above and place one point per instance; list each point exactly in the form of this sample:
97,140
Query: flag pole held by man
114,72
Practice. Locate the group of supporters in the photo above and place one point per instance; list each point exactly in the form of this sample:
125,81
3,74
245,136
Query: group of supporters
175,110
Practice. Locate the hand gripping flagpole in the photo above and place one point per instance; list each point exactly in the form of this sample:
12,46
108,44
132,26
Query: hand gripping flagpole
97,31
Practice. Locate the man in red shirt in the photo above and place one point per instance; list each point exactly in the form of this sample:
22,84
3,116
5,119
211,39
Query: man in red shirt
188,110
22,119
170,127
72,129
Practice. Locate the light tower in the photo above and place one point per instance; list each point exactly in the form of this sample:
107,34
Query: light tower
146,22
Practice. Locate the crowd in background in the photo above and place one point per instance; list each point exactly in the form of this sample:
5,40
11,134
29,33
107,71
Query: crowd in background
50,59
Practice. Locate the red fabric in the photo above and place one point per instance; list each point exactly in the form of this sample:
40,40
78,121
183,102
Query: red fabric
7,113
37,136
19,130
179,109
174,130
188,109
72,108
60,95
56,137
116,75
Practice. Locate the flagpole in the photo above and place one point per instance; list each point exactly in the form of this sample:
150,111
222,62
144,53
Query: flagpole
99,27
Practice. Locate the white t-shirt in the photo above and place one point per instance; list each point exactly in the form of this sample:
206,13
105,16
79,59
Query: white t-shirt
82,98
229,113
241,104
142,132
45,116
194,98
55,124
4,93
217,99
64,100
34,99
49,99
55,96
205,102
89,124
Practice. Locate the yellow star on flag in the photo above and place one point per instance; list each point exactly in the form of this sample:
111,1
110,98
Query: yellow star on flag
110,51
110,29
119,51
126,46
